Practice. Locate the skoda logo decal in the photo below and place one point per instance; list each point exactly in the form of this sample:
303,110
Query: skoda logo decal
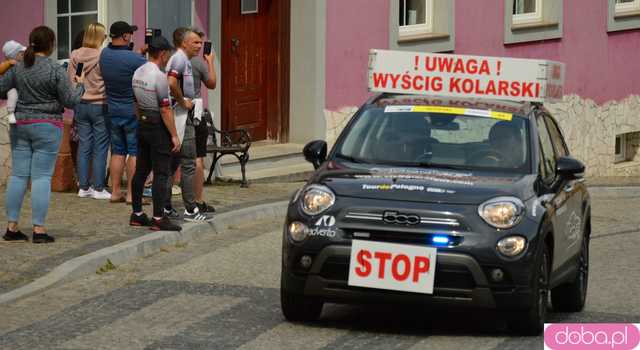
393,217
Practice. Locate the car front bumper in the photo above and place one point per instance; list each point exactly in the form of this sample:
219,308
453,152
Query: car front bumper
459,281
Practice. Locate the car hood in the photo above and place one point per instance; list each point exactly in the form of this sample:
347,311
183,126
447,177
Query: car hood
426,185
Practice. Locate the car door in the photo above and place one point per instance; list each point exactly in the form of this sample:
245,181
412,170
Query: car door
574,191
556,198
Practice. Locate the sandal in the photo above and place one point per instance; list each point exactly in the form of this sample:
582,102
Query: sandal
118,200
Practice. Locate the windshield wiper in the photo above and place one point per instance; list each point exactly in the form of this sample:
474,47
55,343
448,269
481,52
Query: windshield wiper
440,166
350,158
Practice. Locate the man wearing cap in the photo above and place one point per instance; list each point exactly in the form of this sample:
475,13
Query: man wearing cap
118,63
157,135
13,52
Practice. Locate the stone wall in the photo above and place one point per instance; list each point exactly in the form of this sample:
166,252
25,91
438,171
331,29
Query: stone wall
5,148
589,129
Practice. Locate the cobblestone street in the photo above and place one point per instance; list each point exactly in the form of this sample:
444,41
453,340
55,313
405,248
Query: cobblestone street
222,291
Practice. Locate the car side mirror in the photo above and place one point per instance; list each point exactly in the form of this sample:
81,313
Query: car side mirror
570,168
315,152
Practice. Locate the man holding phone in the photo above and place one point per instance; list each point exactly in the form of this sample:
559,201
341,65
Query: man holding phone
204,72
180,76
118,63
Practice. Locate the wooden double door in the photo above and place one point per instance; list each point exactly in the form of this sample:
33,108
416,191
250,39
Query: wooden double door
255,67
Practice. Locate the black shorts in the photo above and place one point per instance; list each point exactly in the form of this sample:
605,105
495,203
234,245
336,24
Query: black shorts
201,139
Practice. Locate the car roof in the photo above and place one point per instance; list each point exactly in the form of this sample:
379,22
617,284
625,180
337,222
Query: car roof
514,107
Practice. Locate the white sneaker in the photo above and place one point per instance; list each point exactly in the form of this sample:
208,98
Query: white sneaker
104,194
85,193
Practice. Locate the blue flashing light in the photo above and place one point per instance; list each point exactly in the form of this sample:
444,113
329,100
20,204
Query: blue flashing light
440,240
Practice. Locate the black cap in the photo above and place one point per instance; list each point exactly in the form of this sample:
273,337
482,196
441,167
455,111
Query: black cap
120,28
160,43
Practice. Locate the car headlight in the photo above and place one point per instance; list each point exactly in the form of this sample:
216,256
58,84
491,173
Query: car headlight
512,245
298,231
502,212
316,199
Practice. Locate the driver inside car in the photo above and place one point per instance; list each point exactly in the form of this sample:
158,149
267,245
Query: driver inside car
506,145
407,140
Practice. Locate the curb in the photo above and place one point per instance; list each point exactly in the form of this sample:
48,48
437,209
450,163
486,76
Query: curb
142,246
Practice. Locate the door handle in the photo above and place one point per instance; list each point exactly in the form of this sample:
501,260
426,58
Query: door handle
235,43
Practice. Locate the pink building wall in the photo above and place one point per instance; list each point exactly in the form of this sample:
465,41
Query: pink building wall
601,66
351,32
15,22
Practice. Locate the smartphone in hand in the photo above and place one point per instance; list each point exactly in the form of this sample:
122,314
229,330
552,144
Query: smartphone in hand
79,69
148,34
207,48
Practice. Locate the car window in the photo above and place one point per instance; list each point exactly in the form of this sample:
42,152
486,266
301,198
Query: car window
423,138
556,137
548,157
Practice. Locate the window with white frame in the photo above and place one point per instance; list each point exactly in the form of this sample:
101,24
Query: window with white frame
626,6
621,148
72,17
415,17
527,11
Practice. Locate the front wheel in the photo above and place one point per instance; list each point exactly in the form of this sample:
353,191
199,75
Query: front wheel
298,308
571,297
531,321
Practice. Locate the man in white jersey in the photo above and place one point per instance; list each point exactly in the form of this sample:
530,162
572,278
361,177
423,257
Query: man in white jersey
180,77
157,136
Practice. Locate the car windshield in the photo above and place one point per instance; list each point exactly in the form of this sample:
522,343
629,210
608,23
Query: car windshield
439,140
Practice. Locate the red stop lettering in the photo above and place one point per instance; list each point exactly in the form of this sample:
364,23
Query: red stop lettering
421,265
395,267
364,268
382,261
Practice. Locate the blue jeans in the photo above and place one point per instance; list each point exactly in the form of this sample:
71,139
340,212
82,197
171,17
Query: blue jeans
34,149
93,146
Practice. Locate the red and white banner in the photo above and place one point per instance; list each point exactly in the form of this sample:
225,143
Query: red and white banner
402,267
500,78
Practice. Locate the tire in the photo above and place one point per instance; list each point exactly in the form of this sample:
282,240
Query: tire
298,308
531,321
572,296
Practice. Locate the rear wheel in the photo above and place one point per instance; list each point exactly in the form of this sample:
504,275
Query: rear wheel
298,308
531,321
571,297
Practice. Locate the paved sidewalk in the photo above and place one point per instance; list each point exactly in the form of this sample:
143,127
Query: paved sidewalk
83,226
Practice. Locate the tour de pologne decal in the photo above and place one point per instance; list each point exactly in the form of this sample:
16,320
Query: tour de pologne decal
403,187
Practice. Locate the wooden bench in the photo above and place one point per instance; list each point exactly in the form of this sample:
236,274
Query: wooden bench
232,142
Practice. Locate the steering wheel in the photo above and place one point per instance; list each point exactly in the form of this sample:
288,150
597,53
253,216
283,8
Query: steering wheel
493,157
425,157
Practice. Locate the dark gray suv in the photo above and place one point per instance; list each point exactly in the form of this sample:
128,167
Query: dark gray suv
458,202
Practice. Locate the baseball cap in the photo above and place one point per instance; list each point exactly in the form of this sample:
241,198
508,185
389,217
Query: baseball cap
120,28
160,43
12,48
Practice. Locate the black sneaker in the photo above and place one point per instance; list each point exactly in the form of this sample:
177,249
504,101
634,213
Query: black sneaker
17,236
205,208
171,213
139,220
164,224
42,238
